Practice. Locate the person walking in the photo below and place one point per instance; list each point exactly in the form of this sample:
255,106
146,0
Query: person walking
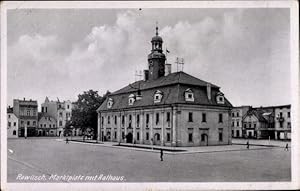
248,145
67,141
161,155
286,147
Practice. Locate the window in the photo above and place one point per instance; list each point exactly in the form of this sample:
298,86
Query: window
68,106
168,116
190,137
15,124
110,102
203,117
158,96
138,136
232,133
237,114
232,124
28,123
190,117
50,125
42,109
45,125
115,120
130,119
22,122
147,136
281,125
123,135
220,118
53,125
46,109
237,123
158,136
157,118
220,135
60,123
9,124
34,112
237,133
245,125
102,120
14,132
123,119
254,125
220,98
289,114
108,120
289,124
60,114
8,116
115,134
232,114
138,120
147,119
131,99
28,112
168,137
249,125
34,123
189,95
41,125
280,114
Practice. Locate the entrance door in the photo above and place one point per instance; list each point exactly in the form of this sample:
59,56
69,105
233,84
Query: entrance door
129,138
204,139
156,139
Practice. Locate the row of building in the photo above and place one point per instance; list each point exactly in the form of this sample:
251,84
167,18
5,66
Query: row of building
273,122
24,120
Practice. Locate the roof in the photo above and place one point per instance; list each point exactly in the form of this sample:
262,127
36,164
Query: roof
171,79
172,87
261,114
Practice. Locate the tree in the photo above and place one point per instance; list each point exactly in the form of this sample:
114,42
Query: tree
84,114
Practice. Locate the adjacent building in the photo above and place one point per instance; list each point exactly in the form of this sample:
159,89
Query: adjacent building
12,124
237,114
170,109
47,125
283,122
27,113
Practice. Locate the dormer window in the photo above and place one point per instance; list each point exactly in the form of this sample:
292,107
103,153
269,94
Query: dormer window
189,95
131,99
220,98
110,102
158,96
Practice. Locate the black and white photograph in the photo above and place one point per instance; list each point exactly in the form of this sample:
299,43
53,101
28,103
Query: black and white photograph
149,95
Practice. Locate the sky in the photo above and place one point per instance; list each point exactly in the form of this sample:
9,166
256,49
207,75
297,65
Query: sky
61,53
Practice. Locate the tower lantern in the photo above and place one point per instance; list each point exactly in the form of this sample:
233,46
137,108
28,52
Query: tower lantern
156,59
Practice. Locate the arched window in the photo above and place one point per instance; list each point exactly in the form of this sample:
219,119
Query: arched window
220,98
14,132
131,99
189,95
110,102
158,96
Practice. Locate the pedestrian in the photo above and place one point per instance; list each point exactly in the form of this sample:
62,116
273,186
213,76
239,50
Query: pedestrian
287,147
248,145
161,155
67,141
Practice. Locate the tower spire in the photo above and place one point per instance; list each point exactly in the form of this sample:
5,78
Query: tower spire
156,28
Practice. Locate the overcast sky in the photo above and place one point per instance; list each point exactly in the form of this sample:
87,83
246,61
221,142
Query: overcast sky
61,53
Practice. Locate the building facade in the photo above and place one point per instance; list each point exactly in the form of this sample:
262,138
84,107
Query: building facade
169,109
47,126
283,122
27,113
12,124
58,111
237,114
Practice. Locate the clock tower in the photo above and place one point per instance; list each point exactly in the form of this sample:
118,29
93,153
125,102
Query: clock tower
156,59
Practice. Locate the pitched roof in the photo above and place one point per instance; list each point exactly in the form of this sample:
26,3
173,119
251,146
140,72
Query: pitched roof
261,114
173,78
173,93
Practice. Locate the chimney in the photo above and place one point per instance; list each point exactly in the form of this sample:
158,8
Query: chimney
146,75
168,69
23,98
208,88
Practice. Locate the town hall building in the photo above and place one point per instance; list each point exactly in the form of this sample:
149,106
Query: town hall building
168,109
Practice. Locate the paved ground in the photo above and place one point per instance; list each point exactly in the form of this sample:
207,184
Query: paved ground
50,156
